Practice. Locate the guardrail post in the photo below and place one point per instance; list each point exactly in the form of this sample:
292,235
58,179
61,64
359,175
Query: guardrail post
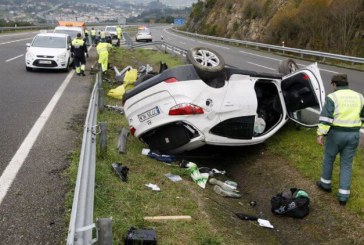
104,229
100,103
103,139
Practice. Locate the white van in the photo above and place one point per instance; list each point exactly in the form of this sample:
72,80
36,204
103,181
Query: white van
70,30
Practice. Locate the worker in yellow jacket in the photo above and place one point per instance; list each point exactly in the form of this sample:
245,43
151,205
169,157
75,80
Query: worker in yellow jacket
102,49
119,33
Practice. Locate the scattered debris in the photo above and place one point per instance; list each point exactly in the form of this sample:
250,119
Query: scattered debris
140,236
200,179
223,185
153,187
120,171
231,183
265,223
173,177
210,171
157,218
246,216
115,108
159,157
253,203
226,193
123,136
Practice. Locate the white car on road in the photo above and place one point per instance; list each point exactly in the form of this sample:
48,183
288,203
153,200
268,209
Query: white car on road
143,35
49,51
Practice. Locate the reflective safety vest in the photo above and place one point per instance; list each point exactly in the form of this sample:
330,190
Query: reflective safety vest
93,32
77,42
343,109
118,30
348,105
102,34
78,47
103,47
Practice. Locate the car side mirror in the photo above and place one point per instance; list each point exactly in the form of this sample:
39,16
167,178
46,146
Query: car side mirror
27,45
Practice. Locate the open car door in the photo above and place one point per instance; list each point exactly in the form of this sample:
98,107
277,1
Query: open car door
304,95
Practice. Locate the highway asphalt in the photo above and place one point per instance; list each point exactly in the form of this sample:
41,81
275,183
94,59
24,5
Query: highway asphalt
39,112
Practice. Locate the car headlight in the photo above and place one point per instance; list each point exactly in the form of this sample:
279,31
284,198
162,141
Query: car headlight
30,55
62,56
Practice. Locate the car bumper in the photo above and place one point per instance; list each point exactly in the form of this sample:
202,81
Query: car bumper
46,63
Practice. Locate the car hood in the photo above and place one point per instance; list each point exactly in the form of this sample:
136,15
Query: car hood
47,51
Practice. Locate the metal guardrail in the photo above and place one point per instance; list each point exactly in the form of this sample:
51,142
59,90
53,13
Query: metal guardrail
173,49
81,220
20,28
269,47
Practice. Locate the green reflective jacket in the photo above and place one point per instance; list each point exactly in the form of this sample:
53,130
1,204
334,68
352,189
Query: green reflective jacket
343,109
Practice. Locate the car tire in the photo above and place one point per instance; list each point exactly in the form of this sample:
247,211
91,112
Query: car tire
207,62
28,68
287,66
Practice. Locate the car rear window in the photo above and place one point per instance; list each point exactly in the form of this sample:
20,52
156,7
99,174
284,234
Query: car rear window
49,42
144,32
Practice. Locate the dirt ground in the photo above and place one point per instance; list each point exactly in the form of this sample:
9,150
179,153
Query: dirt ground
260,177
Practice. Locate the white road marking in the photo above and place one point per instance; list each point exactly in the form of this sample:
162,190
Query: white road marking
214,45
262,66
14,58
182,43
18,34
18,159
16,40
329,71
269,58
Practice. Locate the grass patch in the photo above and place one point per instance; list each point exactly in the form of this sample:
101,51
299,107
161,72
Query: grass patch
299,147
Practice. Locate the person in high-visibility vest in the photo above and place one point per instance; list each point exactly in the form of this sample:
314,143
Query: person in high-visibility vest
340,121
93,36
78,50
102,49
119,33
102,34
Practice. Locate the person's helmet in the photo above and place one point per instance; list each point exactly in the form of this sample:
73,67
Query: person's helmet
78,35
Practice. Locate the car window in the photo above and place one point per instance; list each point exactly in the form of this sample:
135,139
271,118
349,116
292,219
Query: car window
144,32
49,42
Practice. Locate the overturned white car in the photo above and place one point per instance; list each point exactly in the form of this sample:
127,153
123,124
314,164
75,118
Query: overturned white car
206,102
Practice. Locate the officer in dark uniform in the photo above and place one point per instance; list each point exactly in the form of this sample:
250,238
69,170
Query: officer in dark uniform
78,50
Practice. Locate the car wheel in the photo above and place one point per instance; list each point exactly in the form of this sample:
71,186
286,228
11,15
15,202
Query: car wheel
287,66
28,68
207,62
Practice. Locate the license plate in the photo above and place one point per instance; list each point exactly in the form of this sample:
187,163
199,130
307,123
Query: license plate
45,62
149,114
